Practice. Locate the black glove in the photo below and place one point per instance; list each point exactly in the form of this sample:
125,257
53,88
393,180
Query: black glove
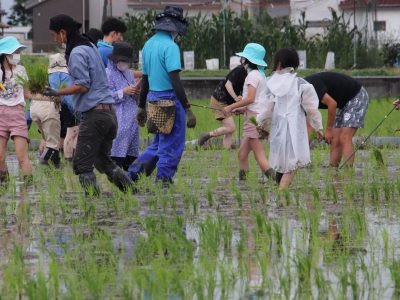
141,116
190,118
49,92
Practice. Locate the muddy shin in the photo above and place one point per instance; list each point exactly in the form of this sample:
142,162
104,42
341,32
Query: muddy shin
366,139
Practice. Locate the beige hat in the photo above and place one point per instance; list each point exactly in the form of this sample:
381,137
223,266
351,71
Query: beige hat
57,63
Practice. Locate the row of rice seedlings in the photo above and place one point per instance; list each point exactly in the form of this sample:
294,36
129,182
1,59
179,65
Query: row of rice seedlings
167,236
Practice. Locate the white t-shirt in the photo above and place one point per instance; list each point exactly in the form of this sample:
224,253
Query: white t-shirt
14,94
259,81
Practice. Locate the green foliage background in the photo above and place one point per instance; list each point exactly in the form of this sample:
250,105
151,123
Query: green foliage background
205,37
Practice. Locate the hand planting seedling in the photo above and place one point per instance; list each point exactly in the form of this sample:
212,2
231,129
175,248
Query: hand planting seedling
263,134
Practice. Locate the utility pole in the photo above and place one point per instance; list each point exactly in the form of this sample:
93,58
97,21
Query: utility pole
83,16
354,36
224,29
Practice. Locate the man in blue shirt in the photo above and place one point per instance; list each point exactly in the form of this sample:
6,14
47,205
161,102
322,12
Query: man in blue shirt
113,30
161,81
91,97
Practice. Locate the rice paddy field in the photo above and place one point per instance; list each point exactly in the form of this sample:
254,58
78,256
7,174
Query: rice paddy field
333,235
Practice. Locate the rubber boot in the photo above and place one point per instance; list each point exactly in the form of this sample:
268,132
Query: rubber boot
50,155
278,177
203,138
120,178
89,184
243,175
270,174
139,167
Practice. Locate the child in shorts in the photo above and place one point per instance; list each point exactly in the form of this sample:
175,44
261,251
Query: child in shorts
226,93
254,90
12,102
347,103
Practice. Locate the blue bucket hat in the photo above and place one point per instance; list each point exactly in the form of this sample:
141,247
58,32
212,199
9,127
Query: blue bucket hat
9,45
255,53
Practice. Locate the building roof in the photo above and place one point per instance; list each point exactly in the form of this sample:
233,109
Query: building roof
185,4
3,25
32,3
349,4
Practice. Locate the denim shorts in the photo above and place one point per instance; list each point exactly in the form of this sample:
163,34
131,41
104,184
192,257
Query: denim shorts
352,115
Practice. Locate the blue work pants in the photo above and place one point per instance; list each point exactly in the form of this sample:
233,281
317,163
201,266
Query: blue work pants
166,150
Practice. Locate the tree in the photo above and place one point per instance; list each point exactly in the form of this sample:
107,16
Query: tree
19,15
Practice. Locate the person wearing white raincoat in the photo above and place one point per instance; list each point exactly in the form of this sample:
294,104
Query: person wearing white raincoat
290,100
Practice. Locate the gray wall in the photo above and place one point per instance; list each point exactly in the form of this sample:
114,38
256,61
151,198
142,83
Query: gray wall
377,86
42,41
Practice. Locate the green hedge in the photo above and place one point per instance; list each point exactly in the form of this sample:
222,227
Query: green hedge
205,37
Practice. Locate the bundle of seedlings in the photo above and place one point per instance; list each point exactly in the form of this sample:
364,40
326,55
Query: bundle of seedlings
37,82
262,133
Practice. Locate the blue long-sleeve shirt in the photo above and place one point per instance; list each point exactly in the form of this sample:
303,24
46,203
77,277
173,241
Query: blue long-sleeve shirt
87,69
56,81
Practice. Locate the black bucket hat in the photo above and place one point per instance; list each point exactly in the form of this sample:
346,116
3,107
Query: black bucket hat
172,20
122,51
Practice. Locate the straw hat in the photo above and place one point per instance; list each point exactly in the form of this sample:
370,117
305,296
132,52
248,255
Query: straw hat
57,63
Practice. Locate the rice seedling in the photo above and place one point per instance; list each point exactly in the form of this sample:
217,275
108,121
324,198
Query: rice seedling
395,273
327,237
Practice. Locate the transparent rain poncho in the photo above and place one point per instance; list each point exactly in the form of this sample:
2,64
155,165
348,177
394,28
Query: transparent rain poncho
289,100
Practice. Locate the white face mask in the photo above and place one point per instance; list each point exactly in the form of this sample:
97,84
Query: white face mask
123,66
63,46
14,59
245,65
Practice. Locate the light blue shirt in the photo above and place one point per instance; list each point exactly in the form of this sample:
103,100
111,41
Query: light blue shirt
105,49
86,68
56,80
160,56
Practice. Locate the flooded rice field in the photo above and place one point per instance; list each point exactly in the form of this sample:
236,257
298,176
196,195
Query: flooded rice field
334,235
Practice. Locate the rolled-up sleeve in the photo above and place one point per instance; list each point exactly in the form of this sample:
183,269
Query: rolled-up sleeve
79,69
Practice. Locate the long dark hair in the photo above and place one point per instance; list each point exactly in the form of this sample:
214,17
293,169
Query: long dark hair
3,69
250,64
74,37
2,59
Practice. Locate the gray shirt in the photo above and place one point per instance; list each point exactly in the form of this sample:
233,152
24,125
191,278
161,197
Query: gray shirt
87,69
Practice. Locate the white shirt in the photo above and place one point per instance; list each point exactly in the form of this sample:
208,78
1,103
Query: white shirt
259,82
14,94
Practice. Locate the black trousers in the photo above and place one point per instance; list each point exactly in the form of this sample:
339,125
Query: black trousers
97,130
